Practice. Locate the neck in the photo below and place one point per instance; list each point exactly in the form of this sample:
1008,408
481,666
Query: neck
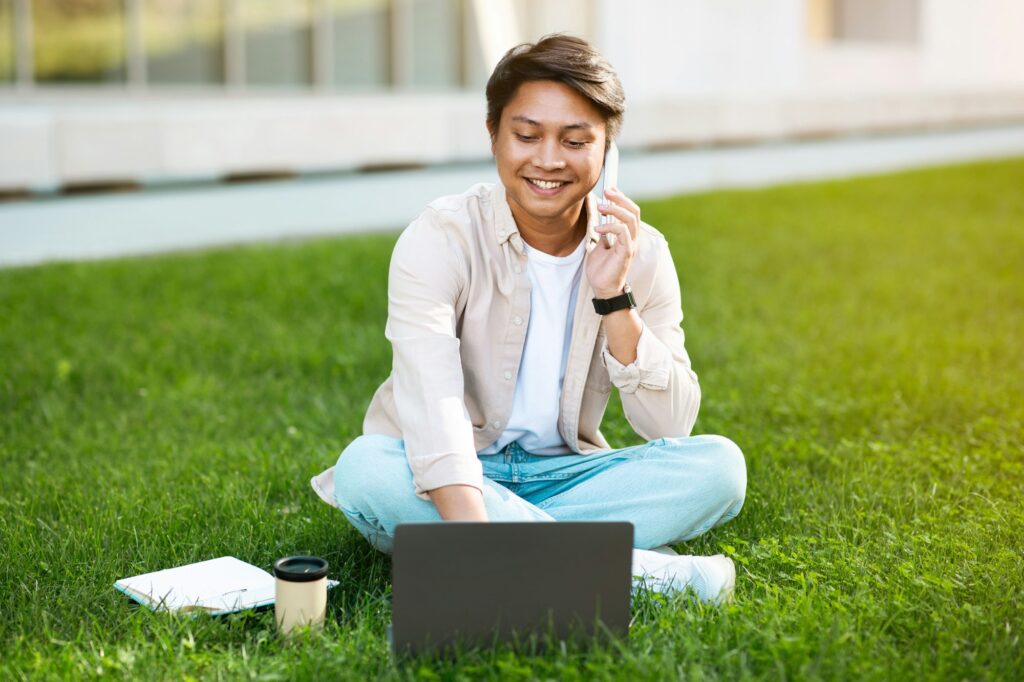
558,236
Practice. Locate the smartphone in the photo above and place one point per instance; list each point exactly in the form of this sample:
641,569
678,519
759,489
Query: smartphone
609,178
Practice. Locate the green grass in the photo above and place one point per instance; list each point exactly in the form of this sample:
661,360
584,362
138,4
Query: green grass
861,340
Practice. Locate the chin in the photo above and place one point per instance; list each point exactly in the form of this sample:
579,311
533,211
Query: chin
547,208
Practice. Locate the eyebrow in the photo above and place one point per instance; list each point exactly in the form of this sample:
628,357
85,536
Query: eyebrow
582,125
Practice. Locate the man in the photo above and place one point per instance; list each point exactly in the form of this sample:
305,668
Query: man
511,312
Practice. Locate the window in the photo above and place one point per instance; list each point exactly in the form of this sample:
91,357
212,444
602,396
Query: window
7,49
76,41
361,43
344,44
475,62
184,41
278,42
435,49
864,21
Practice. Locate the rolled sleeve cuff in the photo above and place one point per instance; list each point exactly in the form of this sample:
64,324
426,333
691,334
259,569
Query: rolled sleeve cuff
429,473
651,369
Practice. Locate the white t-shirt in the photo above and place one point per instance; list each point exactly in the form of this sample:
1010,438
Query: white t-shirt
555,283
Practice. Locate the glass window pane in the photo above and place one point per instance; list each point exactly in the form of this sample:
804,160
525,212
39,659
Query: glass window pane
78,41
477,71
184,41
278,42
878,21
437,37
6,41
362,45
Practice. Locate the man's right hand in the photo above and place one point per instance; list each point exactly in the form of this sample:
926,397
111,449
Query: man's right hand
459,503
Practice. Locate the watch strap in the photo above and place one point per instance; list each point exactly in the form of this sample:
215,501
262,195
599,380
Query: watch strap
603,306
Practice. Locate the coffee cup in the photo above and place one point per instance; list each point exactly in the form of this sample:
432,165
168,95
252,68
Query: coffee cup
300,592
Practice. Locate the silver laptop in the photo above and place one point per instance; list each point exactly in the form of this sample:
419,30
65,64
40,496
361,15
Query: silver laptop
462,585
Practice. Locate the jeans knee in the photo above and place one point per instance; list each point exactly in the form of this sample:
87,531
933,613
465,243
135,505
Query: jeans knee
730,470
359,475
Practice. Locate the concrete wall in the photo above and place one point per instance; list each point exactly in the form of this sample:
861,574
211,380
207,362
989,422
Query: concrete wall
688,48
973,44
695,48
84,140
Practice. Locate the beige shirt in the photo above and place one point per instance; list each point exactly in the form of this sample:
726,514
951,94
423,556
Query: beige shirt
458,310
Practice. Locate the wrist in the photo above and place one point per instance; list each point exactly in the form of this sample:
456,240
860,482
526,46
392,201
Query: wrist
609,293
459,502
605,305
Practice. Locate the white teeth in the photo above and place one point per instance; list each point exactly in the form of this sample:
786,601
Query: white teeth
543,184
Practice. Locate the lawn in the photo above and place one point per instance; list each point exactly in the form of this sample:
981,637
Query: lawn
861,340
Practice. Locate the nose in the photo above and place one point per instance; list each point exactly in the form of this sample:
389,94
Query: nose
548,157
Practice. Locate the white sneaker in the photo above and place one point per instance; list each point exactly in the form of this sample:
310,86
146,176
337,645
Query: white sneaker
719,574
665,549
713,578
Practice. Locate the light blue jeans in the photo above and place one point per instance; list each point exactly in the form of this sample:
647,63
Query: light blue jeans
671,489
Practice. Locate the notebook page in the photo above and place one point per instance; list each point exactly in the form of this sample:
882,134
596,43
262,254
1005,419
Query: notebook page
225,583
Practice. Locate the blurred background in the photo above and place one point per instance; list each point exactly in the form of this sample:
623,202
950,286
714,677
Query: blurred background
100,95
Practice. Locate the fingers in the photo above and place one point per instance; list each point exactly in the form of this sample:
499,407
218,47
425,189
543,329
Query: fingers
620,219
624,215
616,233
616,195
621,208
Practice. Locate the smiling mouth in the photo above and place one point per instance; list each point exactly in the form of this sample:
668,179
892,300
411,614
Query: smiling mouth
546,184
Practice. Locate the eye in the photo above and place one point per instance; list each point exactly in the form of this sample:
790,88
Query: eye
576,144
525,138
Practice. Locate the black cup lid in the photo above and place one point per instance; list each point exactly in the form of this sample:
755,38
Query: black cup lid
300,569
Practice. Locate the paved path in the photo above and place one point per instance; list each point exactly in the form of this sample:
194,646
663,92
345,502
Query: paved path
85,227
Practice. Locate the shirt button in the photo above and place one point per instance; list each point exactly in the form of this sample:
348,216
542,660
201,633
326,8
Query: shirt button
517,320
502,233
516,269
496,424
508,376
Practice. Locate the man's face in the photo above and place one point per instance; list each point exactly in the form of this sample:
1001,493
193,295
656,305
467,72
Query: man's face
549,148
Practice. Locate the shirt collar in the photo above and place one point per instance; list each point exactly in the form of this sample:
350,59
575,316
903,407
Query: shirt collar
505,229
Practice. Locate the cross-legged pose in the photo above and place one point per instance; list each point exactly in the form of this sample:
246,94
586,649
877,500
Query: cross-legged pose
512,312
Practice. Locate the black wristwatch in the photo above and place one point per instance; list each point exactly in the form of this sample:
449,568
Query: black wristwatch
603,306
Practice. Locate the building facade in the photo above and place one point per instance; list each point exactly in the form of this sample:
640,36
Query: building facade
96,92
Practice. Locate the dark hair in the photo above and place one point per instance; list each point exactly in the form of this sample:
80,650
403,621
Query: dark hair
564,59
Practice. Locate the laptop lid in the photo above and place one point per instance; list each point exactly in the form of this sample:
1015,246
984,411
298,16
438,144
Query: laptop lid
477,583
